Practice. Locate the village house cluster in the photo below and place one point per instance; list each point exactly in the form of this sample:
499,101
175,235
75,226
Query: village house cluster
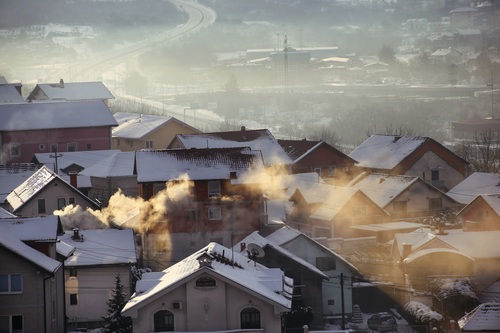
231,230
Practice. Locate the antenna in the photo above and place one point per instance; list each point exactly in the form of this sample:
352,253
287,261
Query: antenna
255,251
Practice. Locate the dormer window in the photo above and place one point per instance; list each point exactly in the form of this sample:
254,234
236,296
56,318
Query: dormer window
205,260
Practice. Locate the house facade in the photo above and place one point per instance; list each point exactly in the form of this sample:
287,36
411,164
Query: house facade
138,131
90,272
332,165
412,156
481,214
214,199
32,285
43,193
214,289
53,127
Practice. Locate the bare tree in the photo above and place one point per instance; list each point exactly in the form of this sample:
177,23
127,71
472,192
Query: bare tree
483,152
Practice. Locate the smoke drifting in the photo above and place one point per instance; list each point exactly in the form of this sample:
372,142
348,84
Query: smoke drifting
130,212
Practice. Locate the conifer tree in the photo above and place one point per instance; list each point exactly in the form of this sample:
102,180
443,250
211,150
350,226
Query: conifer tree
114,321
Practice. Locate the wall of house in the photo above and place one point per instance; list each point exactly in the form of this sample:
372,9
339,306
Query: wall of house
55,190
206,308
93,286
104,188
449,175
309,251
39,141
38,316
480,217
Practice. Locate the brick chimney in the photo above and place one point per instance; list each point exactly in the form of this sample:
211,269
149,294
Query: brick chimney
76,234
73,180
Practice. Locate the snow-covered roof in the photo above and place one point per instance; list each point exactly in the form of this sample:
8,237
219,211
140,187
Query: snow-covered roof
51,115
390,226
491,294
260,140
5,214
475,244
9,94
84,159
197,164
73,91
382,188
484,318
270,283
100,247
11,176
256,238
33,185
14,231
136,126
332,198
474,185
421,253
385,151
118,164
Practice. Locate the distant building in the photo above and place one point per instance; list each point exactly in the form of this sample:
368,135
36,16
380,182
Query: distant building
71,91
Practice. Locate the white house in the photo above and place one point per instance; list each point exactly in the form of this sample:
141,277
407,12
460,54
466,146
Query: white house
90,273
214,289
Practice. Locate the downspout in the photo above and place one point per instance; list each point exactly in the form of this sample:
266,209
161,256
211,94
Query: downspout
45,302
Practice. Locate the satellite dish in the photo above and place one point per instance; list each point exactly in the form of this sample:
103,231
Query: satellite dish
255,251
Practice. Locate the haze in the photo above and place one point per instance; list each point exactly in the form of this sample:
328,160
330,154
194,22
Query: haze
153,54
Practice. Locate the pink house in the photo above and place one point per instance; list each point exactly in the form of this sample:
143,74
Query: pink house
44,127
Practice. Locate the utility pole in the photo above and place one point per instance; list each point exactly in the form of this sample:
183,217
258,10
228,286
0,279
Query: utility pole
342,299
56,156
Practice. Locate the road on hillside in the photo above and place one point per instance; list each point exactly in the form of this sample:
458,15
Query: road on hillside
91,69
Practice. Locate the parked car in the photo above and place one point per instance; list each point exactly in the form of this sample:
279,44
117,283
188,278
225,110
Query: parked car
382,322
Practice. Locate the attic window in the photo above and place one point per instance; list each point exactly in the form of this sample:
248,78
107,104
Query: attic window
205,282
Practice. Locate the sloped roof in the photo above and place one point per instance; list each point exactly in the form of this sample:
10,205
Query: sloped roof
197,164
299,149
101,247
14,231
261,140
382,188
5,214
9,94
491,294
11,176
485,317
33,185
136,126
256,238
85,159
385,151
118,164
49,115
492,200
474,185
269,283
73,91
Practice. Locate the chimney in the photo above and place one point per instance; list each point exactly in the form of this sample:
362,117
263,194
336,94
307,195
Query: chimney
406,250
243,128
243,246
61,83
73,180
76,234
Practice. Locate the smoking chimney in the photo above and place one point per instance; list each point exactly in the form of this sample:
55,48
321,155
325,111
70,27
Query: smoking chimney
76,234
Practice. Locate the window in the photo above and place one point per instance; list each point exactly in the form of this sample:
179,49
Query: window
326,263
73,299
71,146
213,188
71,201
53,147
89,146
435,203
149,144
250,318
11,283
163,321
360,210
41,147
73,272
11,324
205,282
435,175
61,203
400,206
15,149
214,213
41,206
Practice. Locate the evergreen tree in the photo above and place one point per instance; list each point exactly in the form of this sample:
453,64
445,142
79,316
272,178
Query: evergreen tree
115,322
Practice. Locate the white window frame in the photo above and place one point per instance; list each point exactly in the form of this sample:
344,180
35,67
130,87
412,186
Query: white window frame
15,147
149,144
214,213
9,284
